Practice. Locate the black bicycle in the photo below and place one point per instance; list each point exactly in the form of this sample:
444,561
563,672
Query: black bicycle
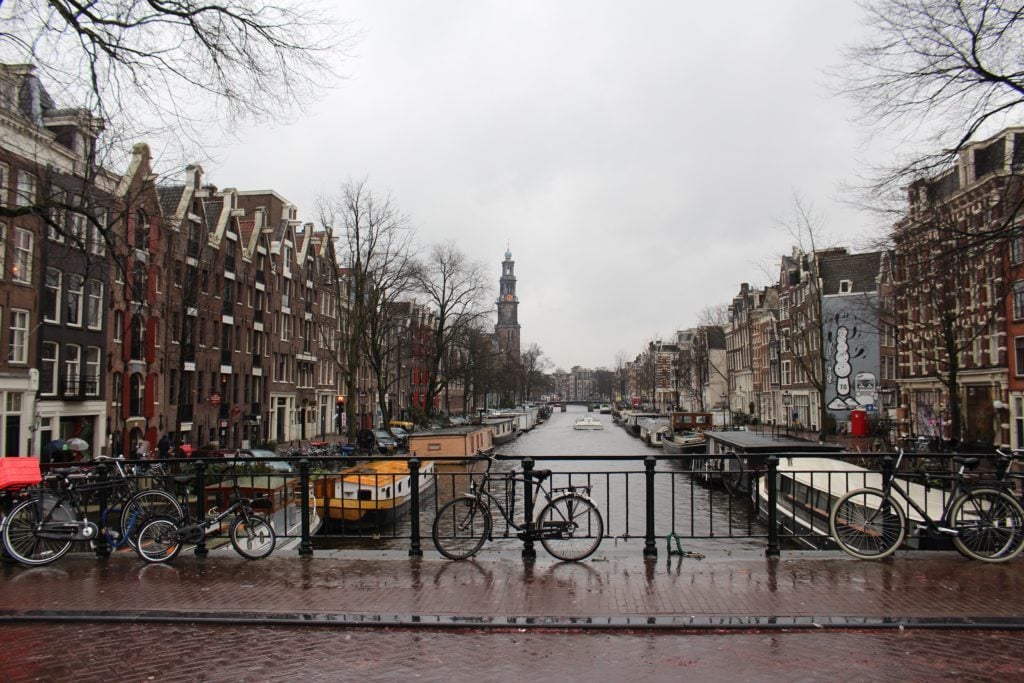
569,526
42,528
251,535
984,521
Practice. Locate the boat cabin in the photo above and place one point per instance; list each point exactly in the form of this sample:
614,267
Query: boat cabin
452,445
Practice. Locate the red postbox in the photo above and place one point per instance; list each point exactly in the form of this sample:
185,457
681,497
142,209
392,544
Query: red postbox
858,422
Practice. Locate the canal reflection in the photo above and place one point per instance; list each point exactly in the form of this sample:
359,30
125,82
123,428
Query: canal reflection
707,519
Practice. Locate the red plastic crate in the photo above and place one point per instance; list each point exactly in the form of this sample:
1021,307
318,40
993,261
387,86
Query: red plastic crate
19,472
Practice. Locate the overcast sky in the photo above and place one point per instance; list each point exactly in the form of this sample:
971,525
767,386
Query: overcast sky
635,156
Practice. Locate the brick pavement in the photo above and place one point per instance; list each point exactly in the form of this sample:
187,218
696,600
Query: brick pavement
614,590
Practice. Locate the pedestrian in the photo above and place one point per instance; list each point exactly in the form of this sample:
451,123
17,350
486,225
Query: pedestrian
164,446
143,450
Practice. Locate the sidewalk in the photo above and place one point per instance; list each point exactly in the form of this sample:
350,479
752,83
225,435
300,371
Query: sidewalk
615,590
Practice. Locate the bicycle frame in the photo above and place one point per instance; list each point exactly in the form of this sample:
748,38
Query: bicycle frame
959,488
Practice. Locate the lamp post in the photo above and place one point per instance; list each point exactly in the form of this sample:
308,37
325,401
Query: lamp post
785,407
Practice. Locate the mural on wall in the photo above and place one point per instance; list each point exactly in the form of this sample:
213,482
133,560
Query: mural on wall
851,357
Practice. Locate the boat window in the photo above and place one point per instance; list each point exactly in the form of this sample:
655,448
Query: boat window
365,494
399,489
387,491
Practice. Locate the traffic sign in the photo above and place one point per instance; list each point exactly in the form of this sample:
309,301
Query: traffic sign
215,400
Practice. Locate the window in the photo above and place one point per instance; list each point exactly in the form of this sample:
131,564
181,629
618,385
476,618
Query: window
5,173
3,250
1018,350
92,371
26,194
48,369
17,352
845,286
119,326
787,377
73,369
136,389
94,305
97,245
117,389
141,230
50,309
75,285
77,230
21,267
1018,299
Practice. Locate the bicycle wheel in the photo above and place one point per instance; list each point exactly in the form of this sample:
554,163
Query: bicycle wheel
20,539
989,524
144,506
570,527
252,536
867,524
461,527
158,540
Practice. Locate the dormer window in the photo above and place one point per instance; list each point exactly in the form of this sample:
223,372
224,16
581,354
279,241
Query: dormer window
845,286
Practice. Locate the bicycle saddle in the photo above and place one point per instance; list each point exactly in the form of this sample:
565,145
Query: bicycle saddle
539,475
969,463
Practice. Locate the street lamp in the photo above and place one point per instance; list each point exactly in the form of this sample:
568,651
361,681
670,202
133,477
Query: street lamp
785,407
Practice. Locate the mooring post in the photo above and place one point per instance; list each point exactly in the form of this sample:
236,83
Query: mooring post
529,553
306,544
201,549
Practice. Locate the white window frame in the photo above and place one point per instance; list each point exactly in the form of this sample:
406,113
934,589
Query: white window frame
27,187
92,370
3,251
94,304
51,362
17,351
117,334
76,295
53,316
77,229
96,244
73,368
846,286
21,268
5,175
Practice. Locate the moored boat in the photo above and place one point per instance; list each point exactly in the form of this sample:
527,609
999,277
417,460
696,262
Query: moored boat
453,448
370,494
652,429
683,443
285,507
503,428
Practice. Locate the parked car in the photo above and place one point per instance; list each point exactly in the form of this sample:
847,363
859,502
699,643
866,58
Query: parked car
402,437
385,443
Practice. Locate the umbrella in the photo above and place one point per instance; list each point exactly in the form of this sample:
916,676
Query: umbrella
77,444
52,447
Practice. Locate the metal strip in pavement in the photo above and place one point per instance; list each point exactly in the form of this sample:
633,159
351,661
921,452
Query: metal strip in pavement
653,622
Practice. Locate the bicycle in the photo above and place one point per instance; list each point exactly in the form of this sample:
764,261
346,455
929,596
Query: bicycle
569,525
251,535
42,528
984,521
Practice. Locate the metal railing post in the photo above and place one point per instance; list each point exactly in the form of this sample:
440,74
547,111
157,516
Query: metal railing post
772,484
529,553
414,500
201,549
650,546
101,545
305,545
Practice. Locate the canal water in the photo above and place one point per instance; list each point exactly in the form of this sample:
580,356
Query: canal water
706,518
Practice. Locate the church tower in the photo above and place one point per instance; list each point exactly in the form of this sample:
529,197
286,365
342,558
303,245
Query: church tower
507,330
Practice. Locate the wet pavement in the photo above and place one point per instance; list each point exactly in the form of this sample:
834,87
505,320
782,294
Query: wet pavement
382,616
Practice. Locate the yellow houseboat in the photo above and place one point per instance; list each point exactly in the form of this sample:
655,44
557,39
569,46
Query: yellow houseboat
453,445
370,494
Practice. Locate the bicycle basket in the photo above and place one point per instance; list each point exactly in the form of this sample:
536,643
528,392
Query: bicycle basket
16,472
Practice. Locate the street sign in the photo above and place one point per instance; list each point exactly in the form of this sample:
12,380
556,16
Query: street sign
235,410
223,424
215,400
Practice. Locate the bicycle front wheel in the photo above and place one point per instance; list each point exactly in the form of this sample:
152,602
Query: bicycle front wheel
146,505
252,536
989,525
21,540
158,540
868,524
461,527
570,527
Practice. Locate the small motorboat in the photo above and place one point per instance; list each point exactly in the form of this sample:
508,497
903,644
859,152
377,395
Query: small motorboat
588,422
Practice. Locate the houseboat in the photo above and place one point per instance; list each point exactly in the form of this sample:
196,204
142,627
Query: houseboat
652,429
503,428
630,419
285,511
453,447
733,457
691,422
370,494
808,488
587,422
684,443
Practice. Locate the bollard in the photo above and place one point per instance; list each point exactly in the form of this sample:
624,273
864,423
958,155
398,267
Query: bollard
772,483
650,544
305,545
529,553
414,501
201,549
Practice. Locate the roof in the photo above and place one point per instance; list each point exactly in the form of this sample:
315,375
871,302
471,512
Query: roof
170,197
213,209
245,229
755,442
860,269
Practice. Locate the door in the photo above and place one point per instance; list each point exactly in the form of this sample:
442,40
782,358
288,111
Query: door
980,427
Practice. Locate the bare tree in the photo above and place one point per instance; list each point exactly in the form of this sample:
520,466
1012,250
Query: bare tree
535,364
454,287
947,70
374,241
171,67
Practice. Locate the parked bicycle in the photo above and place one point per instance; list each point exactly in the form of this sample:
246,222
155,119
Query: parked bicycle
983,520
43,527
251,535
569,525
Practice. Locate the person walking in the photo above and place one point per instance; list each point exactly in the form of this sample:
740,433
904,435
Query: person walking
164,446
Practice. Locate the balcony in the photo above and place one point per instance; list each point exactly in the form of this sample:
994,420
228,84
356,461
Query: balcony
80,388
